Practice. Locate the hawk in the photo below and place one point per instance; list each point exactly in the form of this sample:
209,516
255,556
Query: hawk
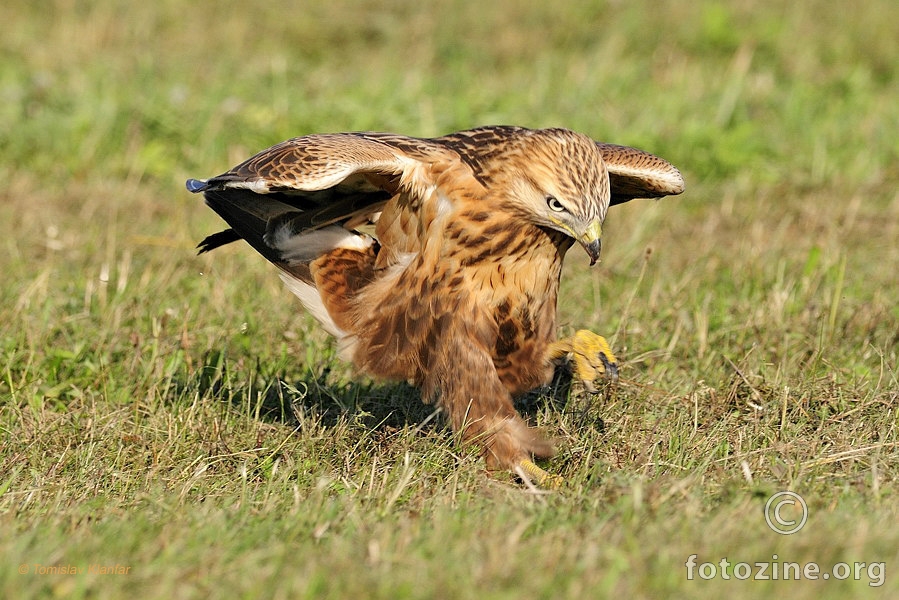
437,261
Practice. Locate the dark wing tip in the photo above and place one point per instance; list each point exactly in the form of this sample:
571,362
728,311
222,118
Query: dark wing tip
217,239
195,186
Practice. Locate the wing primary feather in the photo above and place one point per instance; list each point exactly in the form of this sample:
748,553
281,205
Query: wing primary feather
635,174
211,242
245,213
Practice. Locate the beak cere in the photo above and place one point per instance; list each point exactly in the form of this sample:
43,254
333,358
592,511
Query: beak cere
590,240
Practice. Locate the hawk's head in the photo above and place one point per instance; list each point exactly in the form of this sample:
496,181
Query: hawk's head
562,183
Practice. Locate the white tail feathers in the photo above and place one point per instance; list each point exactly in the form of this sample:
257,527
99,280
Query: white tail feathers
309,245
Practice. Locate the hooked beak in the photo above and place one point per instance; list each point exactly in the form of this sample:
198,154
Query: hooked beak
590,241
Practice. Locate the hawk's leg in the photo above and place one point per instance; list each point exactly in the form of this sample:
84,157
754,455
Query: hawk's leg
590,354
480,408
526,469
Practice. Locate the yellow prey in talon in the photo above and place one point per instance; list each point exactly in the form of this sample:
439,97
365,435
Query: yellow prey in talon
592,357
526,469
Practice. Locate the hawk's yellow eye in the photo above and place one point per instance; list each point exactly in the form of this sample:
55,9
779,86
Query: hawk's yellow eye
554,204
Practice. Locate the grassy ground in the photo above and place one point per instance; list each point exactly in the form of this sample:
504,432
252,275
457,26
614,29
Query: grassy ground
177,415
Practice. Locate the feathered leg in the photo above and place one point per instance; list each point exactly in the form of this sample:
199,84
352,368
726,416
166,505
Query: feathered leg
480,407
338,275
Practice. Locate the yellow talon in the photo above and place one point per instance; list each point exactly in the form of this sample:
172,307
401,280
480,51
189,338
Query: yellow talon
591,354
528,469
587,347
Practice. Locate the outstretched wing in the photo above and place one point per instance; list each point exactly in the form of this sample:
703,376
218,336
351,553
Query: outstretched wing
633,173
305,184
637,174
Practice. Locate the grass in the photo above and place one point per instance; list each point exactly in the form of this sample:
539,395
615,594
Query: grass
177,415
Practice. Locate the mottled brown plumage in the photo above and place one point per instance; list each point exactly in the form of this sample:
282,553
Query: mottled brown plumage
437,261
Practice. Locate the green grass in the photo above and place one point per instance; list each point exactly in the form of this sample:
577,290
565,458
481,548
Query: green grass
179,415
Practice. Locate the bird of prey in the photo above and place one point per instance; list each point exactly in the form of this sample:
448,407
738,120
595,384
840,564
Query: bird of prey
437,261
